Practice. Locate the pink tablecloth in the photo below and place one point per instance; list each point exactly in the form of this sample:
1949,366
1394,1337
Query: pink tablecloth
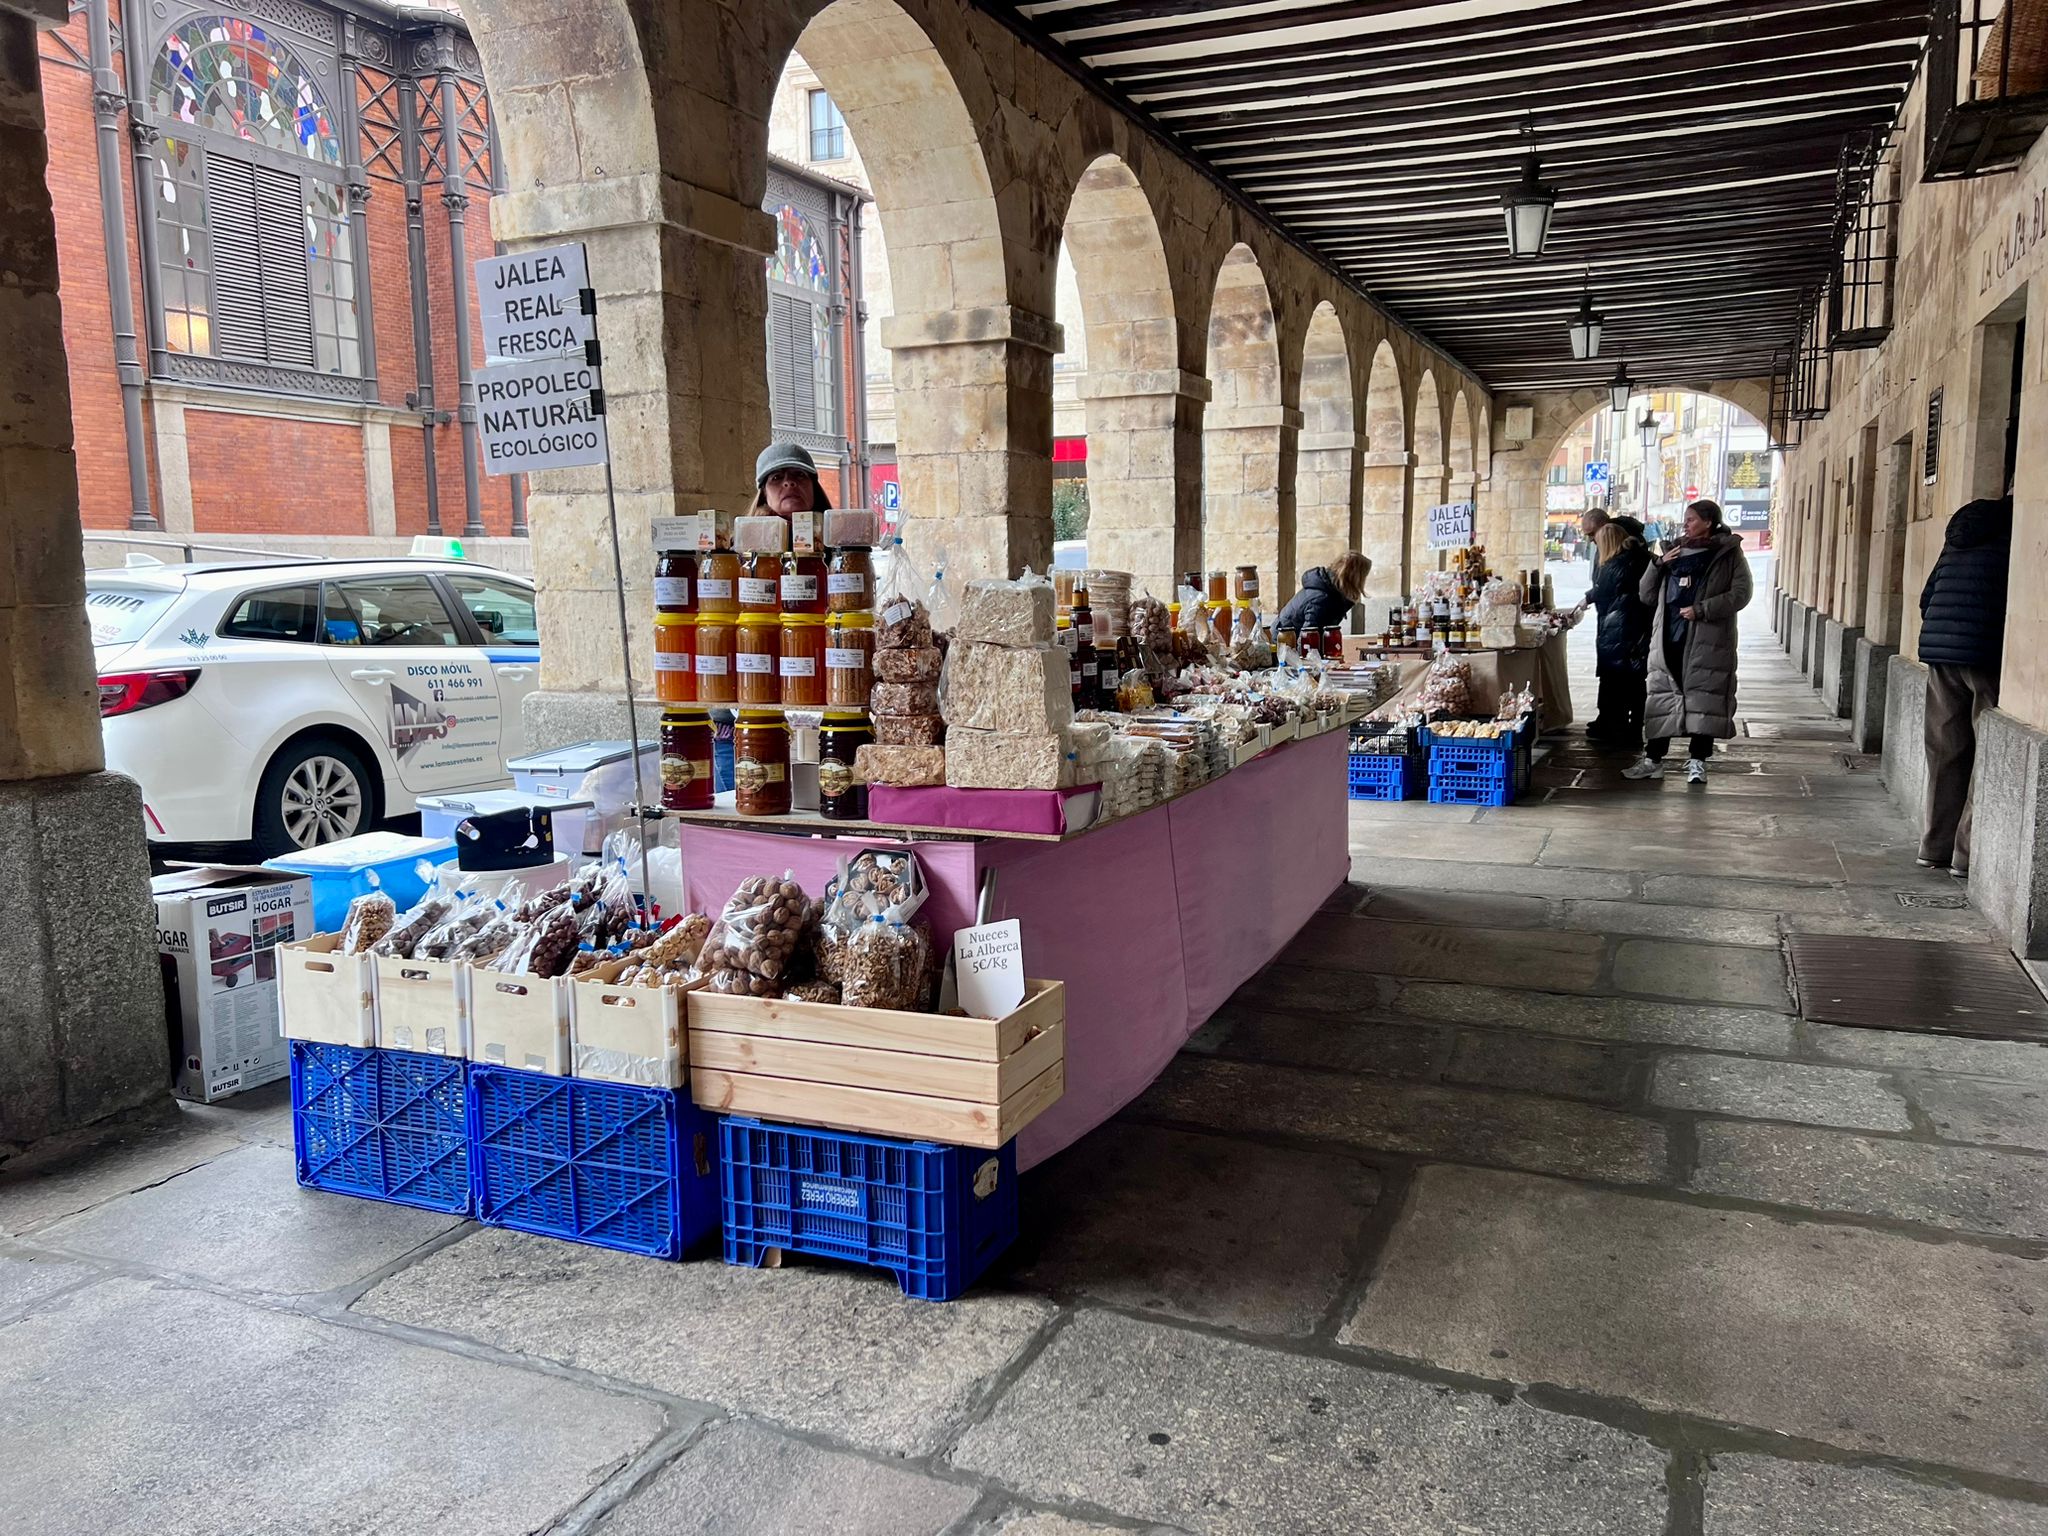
1151,921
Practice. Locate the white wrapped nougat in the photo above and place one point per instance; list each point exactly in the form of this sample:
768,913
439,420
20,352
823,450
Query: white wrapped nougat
993,760
1021,692
1012,613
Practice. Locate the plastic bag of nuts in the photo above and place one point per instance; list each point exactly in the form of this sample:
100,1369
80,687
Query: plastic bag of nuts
871,883
370,916
750,946
885,964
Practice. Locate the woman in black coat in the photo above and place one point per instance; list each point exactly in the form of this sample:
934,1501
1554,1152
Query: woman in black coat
1622,641
1327,596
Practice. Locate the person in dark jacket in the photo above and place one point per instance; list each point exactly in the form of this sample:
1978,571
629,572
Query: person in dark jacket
1327,596
1962,641
1621,641
1696,587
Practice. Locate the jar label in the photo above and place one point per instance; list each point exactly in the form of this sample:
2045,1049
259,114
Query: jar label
755,661
671,661
843,658
835,778
896,613
841,583
749,776
712,589
711,666
671,591
799,589
684,770
758,590
1088,669
799,666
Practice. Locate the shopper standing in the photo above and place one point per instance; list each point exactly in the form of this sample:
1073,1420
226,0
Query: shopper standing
1962,641
1696,587
1622,637
1327,596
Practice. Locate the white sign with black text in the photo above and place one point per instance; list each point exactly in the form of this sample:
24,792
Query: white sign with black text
1450,525
989,964
538,415
532,304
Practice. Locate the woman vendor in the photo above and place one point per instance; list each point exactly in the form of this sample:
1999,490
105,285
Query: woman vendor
786,481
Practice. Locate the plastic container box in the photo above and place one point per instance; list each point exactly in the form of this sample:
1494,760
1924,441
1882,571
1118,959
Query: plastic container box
440,815
1462,784
634,1169
1387,776
376,861
560,774
935,1216
385,1125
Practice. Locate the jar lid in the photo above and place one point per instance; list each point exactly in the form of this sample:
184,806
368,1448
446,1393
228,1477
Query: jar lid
762,720
846,723
672,620
759,620
859,619
800,620
685,717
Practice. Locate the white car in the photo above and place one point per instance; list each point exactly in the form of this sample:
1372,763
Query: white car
295,703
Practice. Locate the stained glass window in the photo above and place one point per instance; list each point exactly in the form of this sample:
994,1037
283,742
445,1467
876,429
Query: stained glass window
800,257
230,75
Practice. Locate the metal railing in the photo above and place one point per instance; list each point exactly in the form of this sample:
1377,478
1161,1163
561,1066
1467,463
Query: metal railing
187,547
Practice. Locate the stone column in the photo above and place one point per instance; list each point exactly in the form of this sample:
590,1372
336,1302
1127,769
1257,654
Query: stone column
1383,527
681,301
1145,474
1248,491
1326,505
974,437
1428,491
82,1031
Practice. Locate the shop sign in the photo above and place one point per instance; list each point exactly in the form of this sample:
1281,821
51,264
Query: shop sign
539,415
988,963
1565,498
532,304
1748,473
1450,525
1930,466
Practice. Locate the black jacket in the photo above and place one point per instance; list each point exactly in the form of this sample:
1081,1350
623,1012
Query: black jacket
1622,642
1962,607
1318,605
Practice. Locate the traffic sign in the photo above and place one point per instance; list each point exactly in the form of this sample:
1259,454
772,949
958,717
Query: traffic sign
892,496
1599,475
532,304
540,415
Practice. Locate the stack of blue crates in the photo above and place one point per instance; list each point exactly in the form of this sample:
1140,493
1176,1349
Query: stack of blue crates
1479,770
384,1125
1387,776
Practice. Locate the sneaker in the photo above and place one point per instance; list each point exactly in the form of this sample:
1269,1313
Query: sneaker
1958,874
1932,863
1643,768
1695,771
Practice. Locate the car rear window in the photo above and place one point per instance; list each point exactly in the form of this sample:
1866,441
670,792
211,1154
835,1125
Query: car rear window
123,615
281,613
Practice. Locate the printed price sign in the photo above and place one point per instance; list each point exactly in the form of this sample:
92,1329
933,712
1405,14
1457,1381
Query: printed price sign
989,964
1450,525
538,416
532,304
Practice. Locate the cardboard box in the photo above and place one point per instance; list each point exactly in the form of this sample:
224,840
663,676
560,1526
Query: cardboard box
218,932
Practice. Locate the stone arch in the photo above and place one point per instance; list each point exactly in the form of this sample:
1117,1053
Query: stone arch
1131,388
961,357
1383,519
1459,449
1241,430
1482,446
1326,462
1431,470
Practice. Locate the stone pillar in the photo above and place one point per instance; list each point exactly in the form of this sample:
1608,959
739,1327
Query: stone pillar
681,307
1383,527
1246,520
974,437
1327,520
1427,490
1144,474
82,1032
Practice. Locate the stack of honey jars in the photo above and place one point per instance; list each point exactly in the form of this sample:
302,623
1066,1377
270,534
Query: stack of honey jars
686,772
849,653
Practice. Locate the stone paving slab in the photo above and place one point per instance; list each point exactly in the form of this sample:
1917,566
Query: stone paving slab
1218,1437
242,1221
1436,839
1315,989
1037,1522
1480,909
836,1350
1932,1053
1779,1090
2000,1114
26,1278
1520,957
1872,1341
131,1158
1340,1045
1600,1018
1378,871
1721,857
1565,1069
1747,895
1204,1227
1762,1496
1968,1189
1469,1124
1705,973
1953,926
262,1114
1701,925
744,1480
134,1410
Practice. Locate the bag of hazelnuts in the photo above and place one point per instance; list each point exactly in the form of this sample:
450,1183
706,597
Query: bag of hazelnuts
749,949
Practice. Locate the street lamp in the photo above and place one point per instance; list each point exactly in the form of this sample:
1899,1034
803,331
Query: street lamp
1585,326
1620,388
1528,205
1651,431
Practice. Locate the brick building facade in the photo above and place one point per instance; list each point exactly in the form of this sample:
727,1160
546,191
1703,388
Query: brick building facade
354,141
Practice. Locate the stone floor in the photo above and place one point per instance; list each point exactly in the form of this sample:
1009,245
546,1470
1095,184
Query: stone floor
1512,1199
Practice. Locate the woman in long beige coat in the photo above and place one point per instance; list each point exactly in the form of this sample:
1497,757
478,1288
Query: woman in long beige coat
1697,587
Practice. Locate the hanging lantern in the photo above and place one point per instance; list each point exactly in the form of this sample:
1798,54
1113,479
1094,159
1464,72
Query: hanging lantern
1651,429
1528,205
1619,388
1585,329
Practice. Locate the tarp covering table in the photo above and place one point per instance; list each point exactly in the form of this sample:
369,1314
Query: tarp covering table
1152,921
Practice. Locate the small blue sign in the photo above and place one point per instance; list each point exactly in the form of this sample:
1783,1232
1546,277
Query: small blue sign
892,496
1598,475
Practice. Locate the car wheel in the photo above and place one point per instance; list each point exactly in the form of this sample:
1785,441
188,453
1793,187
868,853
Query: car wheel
313,792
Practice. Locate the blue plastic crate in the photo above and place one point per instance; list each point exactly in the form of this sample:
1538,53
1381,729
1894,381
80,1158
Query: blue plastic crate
1457,786
385,1125
1386,776
608,1164
936,1216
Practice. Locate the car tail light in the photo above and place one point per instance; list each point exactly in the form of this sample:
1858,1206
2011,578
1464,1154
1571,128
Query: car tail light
122,693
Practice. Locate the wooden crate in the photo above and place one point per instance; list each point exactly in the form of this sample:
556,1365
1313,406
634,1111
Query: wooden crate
627,1034
966,1082
325,995
418,1006
516,1020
